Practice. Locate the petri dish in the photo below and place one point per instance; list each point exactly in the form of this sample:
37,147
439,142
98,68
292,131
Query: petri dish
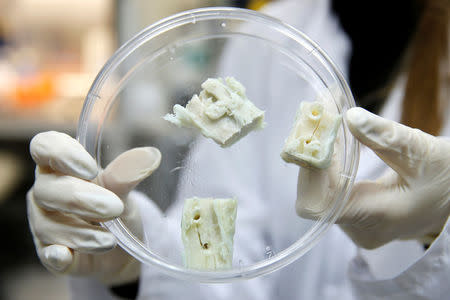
165,64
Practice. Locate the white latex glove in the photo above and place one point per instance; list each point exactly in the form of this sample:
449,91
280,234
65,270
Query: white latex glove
410,201
70,196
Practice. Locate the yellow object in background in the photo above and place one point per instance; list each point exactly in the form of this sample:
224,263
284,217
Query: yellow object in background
257,4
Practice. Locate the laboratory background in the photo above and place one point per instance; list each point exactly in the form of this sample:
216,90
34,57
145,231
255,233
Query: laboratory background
50,53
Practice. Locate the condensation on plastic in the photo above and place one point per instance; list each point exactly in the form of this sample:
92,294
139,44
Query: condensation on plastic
154,40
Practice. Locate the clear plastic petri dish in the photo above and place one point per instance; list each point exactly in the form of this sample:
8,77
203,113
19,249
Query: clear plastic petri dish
165,64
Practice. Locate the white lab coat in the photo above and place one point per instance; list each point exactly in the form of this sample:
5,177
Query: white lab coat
334,268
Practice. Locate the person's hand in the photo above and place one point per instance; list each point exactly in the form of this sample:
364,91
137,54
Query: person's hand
410,201
71,196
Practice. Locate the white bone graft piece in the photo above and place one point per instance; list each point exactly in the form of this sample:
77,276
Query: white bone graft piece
221,112
207,231
311,141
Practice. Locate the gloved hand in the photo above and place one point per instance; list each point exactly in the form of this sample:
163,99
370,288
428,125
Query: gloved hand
71,195
410,201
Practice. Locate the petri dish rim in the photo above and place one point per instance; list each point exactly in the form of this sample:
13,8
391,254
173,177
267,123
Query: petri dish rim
133,245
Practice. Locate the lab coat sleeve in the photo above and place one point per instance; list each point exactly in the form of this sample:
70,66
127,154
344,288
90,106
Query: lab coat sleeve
82,288
426,278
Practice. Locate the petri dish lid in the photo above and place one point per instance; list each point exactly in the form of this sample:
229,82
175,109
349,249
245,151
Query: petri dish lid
165,64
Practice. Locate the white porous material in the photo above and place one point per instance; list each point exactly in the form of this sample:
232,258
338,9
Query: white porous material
311,141
207,229
221,112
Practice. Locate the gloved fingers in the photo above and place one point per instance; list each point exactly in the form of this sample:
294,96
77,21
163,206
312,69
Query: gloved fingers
60,259
56,258
377,211
312,193
366,214
63,154
401,147
364,201
76,196
316,187
128,169
52,227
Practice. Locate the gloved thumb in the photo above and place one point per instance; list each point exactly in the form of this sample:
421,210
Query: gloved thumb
399,146
56,258
129,169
